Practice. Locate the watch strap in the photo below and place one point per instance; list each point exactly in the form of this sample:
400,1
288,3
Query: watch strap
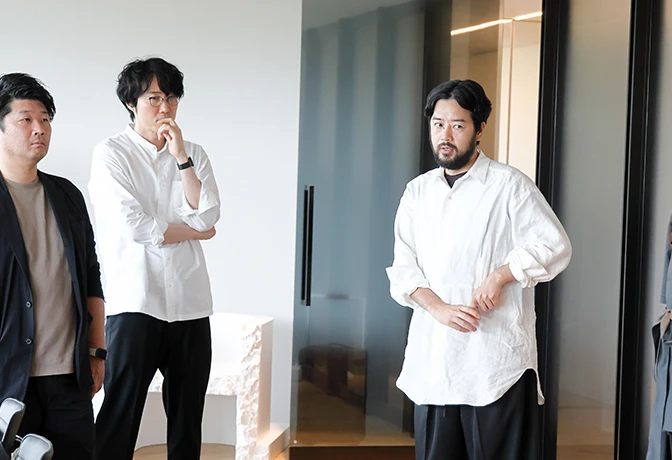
99,353
188,164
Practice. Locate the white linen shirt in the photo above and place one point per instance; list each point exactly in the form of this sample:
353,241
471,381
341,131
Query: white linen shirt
450,240
136,192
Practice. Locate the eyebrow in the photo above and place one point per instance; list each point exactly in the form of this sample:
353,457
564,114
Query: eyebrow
453,120
30,111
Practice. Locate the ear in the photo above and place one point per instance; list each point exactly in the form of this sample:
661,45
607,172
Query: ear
479,133
131,108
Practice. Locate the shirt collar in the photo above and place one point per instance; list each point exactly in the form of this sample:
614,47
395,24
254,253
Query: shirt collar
144,143
479,170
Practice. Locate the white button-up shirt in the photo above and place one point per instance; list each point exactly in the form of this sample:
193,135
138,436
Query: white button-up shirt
136,191
450,240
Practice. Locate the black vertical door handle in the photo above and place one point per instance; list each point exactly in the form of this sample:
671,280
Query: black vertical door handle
307,259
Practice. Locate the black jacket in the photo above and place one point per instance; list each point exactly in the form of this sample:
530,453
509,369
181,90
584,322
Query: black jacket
16,298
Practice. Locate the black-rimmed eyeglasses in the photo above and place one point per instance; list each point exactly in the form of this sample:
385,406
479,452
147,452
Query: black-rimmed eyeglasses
156,101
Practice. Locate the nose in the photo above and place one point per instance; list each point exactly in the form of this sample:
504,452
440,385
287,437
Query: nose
38,128
447,134
164,107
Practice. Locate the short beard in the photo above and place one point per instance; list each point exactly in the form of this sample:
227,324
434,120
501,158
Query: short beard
459,160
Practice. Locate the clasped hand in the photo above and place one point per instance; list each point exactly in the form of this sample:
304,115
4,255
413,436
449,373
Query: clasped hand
466,318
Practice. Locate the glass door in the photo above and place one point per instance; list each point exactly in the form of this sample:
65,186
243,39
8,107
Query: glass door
361,103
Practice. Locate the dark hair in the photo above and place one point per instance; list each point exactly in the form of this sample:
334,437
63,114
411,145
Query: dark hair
21,86
469,94
137,76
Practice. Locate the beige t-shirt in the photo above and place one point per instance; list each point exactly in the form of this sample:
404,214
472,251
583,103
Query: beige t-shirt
55,316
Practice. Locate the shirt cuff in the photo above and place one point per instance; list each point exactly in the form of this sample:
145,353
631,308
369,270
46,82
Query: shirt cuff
159,228
525,268
206,201
404,281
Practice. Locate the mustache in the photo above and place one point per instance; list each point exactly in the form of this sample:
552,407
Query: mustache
447,144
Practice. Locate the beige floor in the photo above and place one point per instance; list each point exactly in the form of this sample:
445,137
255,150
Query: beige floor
584,433
346,425
208,452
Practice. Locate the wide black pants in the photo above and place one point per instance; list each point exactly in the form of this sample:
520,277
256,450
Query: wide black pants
138,345
507,429
57,409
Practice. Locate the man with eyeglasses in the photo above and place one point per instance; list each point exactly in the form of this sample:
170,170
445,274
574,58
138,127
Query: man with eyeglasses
154,197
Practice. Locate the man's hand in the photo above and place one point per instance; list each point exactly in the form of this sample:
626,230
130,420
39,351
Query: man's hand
206,235
176,233
487,295
98,373
172,133
459,317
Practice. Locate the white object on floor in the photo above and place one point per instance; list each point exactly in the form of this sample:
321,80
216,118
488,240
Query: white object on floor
237,403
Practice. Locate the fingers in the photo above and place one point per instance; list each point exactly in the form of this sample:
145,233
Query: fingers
168,126
468,318
472,309
168,121
484,302
463,325
459,328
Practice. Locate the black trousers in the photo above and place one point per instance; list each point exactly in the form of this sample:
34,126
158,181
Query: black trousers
58,410
138,345
507,429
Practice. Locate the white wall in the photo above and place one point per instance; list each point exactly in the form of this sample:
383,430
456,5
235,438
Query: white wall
481,67
241,62
524,97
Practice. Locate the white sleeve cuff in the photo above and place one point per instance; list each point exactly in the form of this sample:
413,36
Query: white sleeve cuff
525,268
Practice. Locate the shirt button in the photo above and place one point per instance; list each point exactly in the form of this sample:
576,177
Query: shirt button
29,304
450,197
29,341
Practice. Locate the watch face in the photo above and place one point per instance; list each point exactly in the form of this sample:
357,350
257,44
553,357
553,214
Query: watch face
100,353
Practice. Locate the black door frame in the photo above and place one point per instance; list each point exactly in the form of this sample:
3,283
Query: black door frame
629,417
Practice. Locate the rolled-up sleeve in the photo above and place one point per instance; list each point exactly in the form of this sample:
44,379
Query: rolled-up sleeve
208,212
115,200
405,275
541,246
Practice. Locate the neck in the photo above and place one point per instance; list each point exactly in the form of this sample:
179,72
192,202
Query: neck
149,136
21,174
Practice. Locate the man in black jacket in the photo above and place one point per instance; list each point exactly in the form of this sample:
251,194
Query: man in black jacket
52,343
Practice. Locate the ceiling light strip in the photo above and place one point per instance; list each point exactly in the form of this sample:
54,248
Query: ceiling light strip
528,16
498,22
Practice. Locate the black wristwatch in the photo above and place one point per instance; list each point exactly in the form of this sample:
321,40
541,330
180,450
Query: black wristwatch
99,353
188,164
